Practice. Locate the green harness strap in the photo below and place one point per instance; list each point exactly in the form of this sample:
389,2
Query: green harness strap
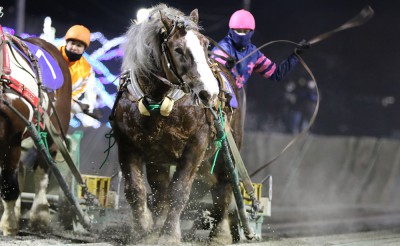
218,142
153,107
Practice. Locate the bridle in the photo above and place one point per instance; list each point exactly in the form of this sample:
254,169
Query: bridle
182,85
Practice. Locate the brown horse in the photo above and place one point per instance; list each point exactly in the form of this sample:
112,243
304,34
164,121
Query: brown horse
162,117
33,73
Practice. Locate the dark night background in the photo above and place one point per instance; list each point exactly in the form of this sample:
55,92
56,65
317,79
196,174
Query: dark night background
355,69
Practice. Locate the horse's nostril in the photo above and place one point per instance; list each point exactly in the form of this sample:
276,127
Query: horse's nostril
204,96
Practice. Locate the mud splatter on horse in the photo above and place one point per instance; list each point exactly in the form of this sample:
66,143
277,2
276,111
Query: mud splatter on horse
33,74
161,117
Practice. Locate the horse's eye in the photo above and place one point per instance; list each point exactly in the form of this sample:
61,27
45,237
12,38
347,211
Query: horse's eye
179,51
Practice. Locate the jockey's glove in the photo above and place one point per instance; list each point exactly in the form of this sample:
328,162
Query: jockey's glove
230,63
96,114
85,107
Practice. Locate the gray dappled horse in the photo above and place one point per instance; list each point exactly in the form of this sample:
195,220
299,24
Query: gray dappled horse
19,87
162,117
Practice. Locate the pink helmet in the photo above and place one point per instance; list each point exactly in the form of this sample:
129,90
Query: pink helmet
242,19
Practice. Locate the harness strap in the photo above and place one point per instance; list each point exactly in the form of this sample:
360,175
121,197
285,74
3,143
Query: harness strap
222,86
243,174
62,148
234,179
16,43
129,79
4,56
22,90
167,82
24,48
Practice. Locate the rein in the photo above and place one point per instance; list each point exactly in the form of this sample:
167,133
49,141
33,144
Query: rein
304,131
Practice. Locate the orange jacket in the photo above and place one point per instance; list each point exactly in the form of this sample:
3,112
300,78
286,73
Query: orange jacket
81,74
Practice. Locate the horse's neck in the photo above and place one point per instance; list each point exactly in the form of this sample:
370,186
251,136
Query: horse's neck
153,88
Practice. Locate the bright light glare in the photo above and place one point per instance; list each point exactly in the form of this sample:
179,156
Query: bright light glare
142,15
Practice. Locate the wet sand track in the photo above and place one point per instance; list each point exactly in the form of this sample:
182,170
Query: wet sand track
368,230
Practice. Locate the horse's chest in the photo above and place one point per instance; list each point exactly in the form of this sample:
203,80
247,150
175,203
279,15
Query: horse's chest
159,137
157,131
156,136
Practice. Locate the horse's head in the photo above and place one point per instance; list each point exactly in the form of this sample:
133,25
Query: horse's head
185,58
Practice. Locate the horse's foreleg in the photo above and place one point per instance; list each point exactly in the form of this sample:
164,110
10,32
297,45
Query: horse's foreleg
28,156
39,214
222,197
9,222
179,191
158,178
21,184
10,192
136,194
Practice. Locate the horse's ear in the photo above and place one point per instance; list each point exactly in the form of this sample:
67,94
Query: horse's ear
194,16
166,22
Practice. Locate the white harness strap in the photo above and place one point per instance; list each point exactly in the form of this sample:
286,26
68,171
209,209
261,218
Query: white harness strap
134,88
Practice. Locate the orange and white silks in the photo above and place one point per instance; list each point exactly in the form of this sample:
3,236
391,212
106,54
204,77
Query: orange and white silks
81,73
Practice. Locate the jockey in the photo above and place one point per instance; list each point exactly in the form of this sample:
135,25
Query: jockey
82,75
238,45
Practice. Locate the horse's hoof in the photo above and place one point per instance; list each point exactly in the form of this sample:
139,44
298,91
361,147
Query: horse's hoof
9,226
169,240
39,225
10,230
40,221
221,235
151,239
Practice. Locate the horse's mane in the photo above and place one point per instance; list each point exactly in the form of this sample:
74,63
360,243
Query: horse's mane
143,40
